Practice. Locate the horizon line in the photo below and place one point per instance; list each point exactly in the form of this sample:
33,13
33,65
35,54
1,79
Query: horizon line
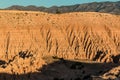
59,5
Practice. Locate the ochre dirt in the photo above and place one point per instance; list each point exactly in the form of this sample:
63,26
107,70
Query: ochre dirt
27,37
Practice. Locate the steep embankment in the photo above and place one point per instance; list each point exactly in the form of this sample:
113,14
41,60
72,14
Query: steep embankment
28,36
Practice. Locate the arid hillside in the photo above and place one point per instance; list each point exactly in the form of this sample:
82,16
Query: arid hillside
104,7
27,38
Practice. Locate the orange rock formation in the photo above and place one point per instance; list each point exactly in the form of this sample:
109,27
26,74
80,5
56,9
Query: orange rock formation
26,37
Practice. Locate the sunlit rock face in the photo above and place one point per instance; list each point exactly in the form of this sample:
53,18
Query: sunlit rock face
26,37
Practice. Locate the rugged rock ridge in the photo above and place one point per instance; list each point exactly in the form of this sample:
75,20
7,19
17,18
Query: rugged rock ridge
105,7
93,36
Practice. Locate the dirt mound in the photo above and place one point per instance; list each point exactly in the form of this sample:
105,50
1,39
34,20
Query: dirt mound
27,37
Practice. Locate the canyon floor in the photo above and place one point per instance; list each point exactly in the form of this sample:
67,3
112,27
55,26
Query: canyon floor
69,46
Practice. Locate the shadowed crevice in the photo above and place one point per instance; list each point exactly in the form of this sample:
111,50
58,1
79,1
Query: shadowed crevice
64,70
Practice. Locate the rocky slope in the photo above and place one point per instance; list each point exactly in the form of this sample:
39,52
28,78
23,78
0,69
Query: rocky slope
105,7
27,38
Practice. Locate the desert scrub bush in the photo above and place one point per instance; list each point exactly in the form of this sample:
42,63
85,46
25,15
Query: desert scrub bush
37,14
25,54
58,11
116,59
26,13
3,64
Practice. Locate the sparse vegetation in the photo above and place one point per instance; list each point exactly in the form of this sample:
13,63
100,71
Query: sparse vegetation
25,54
63,47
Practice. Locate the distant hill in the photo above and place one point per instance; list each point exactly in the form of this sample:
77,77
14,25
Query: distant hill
105,7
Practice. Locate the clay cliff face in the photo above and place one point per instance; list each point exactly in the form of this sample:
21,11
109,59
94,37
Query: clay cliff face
93,36
26,37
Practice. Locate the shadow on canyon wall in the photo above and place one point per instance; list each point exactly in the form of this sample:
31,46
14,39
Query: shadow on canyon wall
64,70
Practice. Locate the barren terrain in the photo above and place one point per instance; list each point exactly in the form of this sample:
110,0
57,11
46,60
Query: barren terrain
70,46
